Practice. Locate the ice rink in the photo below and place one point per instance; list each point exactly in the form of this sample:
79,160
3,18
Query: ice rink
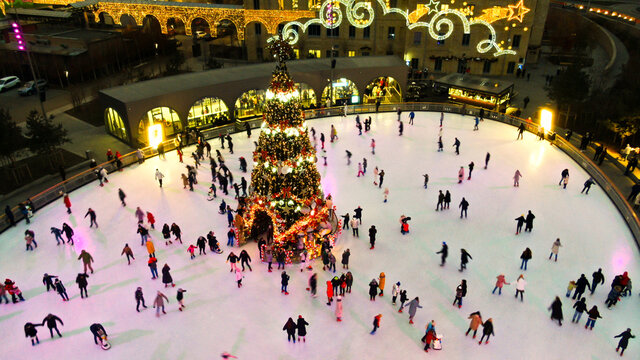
248,322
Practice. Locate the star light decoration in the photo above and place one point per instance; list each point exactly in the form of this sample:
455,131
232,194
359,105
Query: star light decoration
517,11
432,6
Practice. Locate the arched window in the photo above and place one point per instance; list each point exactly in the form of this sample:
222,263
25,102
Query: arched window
343,91
250,104
384,88
115,125
208,112
166,117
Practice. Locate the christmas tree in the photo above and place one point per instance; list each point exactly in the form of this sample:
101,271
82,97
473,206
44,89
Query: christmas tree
286,191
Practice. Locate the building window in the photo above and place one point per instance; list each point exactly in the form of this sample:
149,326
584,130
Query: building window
333,32
391,34
417,37
462,66
366,32
352,32
259,54
516,41
351,53
329,53
486,67
414,63
365,53
466,38
258,28
314,4
511,67
440,42
438,65
314,30
296,53
314,54
256,4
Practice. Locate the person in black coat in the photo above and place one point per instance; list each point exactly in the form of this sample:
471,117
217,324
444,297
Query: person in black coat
61,290
48,280
166,234
290,327
447,199
68,232
556,310
175,230
580,306
50,320
372,236
624,340
245,259
456,144
581,285
92,217
564,174
358,214
373,290
464,205
596,279
31,331
487,330
520,221
97,330
284,281
345,259
139,299
529,221
166,276
444,252
464,259
82,282
302,329
440,204
202,243
9,214
525,256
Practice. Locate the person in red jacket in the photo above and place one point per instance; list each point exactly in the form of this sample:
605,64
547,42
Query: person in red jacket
376,323
67,201
151,219
329,293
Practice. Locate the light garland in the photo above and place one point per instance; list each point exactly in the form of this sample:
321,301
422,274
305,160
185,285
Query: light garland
361,14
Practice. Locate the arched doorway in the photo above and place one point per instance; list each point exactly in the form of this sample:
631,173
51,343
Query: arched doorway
105,19
385,88
344,91
227,33
128,21
200,27
250,104
175,26
161,119
307,95
114,124
208,112
151,25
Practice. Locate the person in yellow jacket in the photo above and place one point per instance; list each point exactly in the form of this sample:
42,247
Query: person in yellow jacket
150,248
381,281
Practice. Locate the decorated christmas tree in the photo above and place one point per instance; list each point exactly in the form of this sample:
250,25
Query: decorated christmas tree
286,193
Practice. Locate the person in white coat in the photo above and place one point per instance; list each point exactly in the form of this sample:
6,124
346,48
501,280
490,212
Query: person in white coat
354,226
159,176
339,308
555,248
520,284
395,290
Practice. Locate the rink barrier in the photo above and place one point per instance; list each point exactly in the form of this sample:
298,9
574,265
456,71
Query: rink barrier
633,222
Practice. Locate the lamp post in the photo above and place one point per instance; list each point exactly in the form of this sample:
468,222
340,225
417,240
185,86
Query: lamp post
66,75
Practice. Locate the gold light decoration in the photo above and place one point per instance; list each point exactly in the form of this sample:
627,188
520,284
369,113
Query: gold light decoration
518,11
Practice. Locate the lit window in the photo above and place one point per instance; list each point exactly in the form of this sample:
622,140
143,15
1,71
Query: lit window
351,53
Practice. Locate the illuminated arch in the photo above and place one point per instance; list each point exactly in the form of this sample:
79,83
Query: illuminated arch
176,25
250,104
115,125
239,28
308,97
151,25
105,18
200,24
385,88
208,111
163,116
343,90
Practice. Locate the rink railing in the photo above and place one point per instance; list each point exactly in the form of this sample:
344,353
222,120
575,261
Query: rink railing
53,193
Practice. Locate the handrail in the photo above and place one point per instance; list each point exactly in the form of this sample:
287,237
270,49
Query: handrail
619,200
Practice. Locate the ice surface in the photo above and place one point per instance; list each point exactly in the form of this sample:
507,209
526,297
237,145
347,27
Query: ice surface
248,322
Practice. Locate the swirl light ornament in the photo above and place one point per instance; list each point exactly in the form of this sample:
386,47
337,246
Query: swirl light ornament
440,26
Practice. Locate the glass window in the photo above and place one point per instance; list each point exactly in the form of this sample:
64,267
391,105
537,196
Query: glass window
258,28
250,104
365,53
417,38
208,112
414,63
516,41
314,54
115,125
385,89
486,67
391,33
438,65
466,38
333,32
314,30
167,117
256,4
366,32
462,66
351,53
296,53
344,90
511,66
352,32
314,4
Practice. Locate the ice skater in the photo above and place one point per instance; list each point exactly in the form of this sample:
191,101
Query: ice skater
516,178
180,298
46,280
474,324
597,278
460,174
519,222
486,160
139,299
444,252
555,248
471,166
232,259
564,174
426,180
440,144
166,275
376,323
30,331
62,291
525,256
301,326
413,305
58,234
587,185
290,327
87,259
122,196
372,237
456,144
338,311
51,321
82,282
461,291
373,146
68,232
92,217
556,310
158,303
581,307
624,340
381,178
159,176
464,259
487,330
67,201
395,291
582,284
464,205
520,285
500,282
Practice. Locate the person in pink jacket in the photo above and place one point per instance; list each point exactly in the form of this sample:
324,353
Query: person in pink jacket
460,174
501,281
339,308
239,277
